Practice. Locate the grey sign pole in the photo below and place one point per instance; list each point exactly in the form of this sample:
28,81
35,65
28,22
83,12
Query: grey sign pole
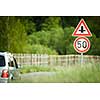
81,59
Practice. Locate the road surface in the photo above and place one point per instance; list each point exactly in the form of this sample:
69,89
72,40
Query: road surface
30,75
35,77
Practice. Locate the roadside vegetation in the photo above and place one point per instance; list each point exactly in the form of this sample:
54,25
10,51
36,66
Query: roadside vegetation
88,73
30,69
45,34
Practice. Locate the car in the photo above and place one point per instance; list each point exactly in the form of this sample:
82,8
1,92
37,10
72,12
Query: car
9,69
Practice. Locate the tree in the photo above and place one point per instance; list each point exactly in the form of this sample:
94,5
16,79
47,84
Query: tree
28,23
20,34
17,37
94,23
68,21
57,40
95,48
41,49
13,36
51,23
39,20
69,40
41,37
4,35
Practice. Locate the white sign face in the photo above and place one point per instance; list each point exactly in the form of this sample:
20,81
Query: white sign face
81,44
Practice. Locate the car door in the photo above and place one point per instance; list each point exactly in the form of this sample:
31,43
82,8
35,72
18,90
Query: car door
17,71
13,68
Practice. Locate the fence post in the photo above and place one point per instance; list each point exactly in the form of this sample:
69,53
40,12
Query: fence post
53,60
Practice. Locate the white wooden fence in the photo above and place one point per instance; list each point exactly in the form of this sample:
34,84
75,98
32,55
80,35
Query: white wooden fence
53,60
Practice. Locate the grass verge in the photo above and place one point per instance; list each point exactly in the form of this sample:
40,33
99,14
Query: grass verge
88,73
30,69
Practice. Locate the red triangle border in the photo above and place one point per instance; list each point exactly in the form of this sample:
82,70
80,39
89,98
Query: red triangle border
89,33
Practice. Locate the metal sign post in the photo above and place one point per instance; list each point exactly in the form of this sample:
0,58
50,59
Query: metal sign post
81,59
82,44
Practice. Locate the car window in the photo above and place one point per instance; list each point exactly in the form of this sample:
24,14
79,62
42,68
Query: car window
11,63
2,61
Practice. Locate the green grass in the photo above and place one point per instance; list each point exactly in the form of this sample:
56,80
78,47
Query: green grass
29,69
87,73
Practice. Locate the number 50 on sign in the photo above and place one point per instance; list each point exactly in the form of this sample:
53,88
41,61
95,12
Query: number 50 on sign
81,44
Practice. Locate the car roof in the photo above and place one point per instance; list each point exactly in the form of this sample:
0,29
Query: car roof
6,53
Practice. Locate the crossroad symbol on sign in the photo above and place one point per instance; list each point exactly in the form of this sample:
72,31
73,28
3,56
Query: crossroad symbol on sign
82,29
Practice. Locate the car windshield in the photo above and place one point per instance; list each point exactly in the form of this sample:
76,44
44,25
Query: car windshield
2,61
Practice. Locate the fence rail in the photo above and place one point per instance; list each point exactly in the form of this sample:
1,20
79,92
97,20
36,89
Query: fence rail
53,60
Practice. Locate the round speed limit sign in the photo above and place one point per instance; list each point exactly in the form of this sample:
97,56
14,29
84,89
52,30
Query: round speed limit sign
81,44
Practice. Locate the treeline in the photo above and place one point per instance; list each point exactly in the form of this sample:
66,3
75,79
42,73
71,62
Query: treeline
45,35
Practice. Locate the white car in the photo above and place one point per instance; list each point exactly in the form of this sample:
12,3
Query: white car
8,68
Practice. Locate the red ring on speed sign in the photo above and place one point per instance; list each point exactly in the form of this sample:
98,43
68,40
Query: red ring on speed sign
81,44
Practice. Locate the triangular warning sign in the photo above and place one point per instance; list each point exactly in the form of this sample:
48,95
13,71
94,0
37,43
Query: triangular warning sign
82,29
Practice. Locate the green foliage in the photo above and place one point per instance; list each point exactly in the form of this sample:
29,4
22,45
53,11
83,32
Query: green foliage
41,49
30,69
41,37
87,73
52,39
28,23
56,40
68,21
29,26
28,48
69,40
16,33
94,23
51,23
20,34
95,48
13,35
3,35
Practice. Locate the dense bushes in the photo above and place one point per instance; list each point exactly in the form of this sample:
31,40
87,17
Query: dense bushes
39,49
51,35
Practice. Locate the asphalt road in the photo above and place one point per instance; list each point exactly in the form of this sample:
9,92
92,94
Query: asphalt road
35,77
